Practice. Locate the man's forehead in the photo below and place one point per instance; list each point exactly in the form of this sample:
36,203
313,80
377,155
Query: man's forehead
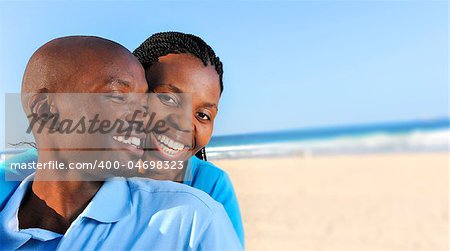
123,74
65,64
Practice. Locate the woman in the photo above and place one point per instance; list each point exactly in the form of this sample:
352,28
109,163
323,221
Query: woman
175,62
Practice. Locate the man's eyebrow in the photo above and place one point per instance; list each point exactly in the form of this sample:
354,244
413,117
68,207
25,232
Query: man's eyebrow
117,81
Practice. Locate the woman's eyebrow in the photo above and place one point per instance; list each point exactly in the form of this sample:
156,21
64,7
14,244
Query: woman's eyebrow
172,88
209,105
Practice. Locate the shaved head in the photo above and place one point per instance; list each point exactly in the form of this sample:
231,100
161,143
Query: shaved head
60,64
78,64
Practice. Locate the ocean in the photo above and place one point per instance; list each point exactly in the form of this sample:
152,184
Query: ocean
409,136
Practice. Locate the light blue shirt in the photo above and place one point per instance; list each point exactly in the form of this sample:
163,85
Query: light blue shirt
199,174
129,214
212,180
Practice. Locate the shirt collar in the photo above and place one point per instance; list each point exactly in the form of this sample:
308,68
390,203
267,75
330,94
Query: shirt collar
111,203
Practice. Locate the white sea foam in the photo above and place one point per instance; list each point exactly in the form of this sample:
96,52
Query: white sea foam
415,141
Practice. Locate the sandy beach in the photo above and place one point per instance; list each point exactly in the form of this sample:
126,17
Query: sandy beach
363,202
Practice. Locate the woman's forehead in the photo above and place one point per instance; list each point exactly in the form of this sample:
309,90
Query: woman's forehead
185,72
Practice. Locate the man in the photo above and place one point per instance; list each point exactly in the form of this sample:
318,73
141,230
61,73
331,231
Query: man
70,209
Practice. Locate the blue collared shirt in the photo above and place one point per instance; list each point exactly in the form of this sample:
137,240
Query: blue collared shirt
200,174
129,214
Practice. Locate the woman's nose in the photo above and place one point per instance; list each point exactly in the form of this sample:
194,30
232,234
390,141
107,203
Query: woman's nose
180,122
138,110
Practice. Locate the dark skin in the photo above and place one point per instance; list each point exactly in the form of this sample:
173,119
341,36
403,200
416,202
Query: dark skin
184,73
60,67
33,209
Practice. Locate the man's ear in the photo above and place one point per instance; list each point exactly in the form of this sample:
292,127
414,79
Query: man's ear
43,110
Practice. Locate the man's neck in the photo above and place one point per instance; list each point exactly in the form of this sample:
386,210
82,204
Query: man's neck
66,198
55,204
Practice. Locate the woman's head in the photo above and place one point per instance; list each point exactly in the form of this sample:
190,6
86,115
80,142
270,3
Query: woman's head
165,43
175,62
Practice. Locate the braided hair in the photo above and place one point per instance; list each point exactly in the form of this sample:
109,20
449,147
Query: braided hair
164,43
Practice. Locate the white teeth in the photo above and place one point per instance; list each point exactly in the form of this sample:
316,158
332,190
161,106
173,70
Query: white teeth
170,143
178,145
169,146
136,142
175,145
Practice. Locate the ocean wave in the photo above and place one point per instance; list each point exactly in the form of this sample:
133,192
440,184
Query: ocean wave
414,141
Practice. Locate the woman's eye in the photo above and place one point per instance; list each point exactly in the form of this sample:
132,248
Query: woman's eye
168,99
203,116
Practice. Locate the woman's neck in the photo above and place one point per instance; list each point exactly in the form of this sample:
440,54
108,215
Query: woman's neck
169,174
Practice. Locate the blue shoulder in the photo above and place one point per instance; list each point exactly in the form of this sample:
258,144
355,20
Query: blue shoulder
6,187
180,194
10,179
216,182
207,177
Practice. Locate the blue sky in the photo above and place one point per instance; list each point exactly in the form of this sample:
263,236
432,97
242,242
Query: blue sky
296,64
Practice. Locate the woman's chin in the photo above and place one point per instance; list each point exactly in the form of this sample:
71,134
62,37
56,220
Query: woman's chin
158,155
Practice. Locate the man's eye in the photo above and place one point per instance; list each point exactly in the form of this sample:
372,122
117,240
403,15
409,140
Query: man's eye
168,99
203,116
118,97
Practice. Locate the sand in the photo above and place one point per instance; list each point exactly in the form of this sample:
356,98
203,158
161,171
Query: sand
365,202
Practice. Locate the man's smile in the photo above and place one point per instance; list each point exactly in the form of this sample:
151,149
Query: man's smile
132,144
133,141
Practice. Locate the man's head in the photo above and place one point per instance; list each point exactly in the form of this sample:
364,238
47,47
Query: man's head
61,78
